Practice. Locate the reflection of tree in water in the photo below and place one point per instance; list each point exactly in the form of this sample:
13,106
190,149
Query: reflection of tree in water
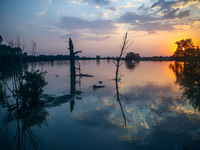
131,64
10,71
188,77
18,89
2,95
98,62
23,137
119,101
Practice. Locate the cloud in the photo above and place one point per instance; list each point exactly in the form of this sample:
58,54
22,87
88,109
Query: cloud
164,4
173,14
41,13
96,30
98,2
99,38
154,27
160,16
168,6
113,8
58,14
82,36
94,26
50,1
146,23
131,17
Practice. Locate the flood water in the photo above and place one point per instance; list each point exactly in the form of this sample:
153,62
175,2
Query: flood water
155,106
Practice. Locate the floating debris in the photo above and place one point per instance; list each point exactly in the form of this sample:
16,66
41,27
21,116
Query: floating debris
95,87
84,75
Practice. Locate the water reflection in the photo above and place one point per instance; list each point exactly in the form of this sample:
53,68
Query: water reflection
2,95
188,77
98,62
16,131
8,70
131,64
157,115
118,95
123,115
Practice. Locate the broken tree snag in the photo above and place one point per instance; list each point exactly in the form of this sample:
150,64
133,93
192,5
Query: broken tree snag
72,73
72,60
72,68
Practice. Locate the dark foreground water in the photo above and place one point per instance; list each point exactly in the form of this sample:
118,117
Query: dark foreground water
155,106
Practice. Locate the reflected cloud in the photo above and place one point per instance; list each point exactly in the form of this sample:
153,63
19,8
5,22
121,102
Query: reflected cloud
151,108
147,91
98,118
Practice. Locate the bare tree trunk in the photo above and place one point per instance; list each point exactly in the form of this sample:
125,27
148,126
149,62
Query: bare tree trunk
72,60
125,42
72,73
72,67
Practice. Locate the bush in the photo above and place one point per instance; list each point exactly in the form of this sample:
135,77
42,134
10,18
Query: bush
31,86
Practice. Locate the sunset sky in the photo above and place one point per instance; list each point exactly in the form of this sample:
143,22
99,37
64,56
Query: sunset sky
97,27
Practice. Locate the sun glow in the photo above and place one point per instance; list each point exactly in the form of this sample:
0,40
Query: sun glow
183,48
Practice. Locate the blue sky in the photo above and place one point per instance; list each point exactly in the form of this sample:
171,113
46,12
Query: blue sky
97,27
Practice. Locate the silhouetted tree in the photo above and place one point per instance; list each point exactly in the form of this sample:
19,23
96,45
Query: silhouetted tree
186,48
18,41
31,86
132,56
98,57
72,58
1,39
12,54
118,59
25,85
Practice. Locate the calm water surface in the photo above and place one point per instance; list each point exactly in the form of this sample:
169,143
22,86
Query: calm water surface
150,108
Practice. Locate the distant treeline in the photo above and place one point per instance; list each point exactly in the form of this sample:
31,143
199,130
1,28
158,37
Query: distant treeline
61,57
11,54
49,57
16,54
66,57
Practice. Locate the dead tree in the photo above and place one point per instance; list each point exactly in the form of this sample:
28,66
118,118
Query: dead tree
72,58
72,71
117,63
118,59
